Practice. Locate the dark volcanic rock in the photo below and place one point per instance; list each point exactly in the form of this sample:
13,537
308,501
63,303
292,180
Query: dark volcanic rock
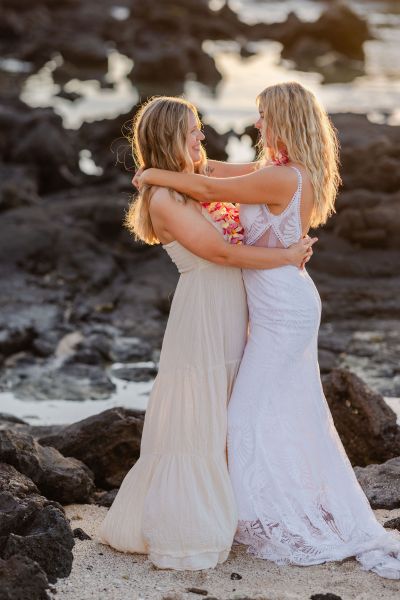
366,424
63,479
47,540
22,578
339,28
70,381
13,340
381,483
130,349
89,50
15,483
135,373
18,186
393,524
215,143
80,534
105,498
36,134
109,443
6,418
32,525
369,219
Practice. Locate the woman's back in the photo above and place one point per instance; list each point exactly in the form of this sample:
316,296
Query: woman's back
264,228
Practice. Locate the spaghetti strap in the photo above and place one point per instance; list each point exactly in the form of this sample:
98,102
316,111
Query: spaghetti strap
299,181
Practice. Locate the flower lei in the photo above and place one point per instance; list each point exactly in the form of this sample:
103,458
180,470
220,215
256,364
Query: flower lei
281,159
227,215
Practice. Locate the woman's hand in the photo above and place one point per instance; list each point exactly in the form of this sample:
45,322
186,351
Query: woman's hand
145,177
301,252
136,178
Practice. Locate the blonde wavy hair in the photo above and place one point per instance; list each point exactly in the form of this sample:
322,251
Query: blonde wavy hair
294,118
160,130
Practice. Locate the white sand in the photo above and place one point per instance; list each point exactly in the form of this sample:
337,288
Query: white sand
103,574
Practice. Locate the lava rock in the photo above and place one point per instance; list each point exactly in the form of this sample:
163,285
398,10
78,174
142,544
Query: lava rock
22,578
135,373
327,596
327,360
6,418
70,381
366,424
44,132
33,526
13,340
381,483
88,50
109,443
130,349
47,540
80,534
66,480
338,28
393,524
18,187
105,498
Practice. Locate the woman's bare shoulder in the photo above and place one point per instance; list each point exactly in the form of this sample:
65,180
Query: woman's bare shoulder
161,200
164,200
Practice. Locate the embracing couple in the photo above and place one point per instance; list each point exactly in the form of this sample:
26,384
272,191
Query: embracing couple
238,441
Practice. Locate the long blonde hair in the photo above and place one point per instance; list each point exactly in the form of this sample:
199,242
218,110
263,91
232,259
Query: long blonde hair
160,130
294,117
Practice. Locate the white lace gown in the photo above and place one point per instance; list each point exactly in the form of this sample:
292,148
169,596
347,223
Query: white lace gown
298,499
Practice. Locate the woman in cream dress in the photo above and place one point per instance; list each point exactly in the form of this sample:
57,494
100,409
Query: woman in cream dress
176,504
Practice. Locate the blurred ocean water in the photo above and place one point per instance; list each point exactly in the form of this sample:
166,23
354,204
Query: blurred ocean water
375,92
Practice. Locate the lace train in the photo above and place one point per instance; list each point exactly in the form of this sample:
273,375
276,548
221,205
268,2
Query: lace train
299,501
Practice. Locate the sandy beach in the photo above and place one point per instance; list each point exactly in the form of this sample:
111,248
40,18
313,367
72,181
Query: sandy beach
102,573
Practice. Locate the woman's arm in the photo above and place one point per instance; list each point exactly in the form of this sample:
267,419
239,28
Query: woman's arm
269,185
217,168
185,224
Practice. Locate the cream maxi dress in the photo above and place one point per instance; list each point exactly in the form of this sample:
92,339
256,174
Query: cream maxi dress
176,504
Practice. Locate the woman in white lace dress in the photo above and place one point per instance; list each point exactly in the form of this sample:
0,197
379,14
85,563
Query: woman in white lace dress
298,499
176,504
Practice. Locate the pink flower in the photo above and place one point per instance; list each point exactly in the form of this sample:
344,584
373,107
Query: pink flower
228,216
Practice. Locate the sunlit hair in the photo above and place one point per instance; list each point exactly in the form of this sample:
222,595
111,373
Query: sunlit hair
294,118
160,131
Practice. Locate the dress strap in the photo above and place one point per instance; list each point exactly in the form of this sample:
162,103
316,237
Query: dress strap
299,182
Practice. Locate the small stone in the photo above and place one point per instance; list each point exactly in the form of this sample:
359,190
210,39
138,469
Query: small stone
236,576
80,534
198,591
393,524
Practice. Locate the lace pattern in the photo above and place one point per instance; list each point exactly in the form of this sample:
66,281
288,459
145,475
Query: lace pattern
258,219
298,499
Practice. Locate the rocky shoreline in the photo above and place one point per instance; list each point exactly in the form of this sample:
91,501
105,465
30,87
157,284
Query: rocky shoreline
43,468
78,294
